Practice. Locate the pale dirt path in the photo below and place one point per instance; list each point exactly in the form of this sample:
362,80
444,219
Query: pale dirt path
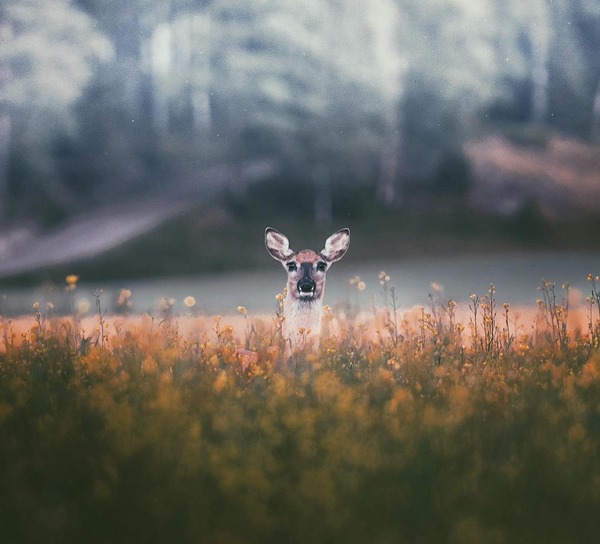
86,236
95,232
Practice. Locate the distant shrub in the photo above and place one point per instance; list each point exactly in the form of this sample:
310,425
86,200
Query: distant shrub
293,197
453,175
527,134
277,196
529,222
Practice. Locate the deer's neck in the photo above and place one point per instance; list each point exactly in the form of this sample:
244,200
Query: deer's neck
302,319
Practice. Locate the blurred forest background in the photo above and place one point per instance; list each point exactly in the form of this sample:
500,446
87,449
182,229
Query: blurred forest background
436,125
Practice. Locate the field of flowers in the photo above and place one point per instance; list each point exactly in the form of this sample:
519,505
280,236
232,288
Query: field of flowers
451,423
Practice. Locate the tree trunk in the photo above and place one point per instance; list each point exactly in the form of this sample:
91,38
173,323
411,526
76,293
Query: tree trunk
161,67
5,139
323,203
6,35
388,192
539,61
595,128
128,50
200,65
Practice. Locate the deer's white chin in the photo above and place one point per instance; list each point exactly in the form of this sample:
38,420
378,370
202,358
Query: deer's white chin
306,294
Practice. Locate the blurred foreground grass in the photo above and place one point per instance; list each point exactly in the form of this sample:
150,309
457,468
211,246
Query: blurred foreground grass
414,428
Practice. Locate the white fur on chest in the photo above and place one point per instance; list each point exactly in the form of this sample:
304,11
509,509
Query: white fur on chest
302,321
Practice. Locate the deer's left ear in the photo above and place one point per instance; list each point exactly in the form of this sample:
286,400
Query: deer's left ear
336,245
277,245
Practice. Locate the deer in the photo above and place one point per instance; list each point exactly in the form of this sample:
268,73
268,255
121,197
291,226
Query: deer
306,270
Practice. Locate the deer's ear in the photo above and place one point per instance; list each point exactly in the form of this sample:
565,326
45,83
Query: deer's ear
336,245
277,245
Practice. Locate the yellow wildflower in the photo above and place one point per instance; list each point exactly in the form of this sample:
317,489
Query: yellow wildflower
72,280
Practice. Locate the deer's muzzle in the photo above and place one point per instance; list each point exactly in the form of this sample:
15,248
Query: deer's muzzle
306,287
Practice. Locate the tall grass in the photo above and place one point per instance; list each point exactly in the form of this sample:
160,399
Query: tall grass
424,426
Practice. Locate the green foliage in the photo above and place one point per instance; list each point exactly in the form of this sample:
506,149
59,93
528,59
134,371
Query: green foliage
157,436
325,85
48,53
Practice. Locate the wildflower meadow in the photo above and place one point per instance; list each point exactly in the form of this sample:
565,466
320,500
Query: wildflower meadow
460,421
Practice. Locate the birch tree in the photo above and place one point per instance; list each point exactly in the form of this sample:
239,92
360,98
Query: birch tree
179,53
540,31
317,82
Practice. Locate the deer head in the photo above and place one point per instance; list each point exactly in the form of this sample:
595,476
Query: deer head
306,269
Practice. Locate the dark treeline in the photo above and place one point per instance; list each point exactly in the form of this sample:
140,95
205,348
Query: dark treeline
104,100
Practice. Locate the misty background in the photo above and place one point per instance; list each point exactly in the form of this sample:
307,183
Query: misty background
157,139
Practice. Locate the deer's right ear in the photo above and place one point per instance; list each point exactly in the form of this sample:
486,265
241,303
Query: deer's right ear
277,245
336,245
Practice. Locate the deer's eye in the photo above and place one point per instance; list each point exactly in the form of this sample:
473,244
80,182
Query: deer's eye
321,266
292,267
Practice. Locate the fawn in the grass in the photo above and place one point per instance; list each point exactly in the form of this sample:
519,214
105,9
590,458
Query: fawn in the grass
306,269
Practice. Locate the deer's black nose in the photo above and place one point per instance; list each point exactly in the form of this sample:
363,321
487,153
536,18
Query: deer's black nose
306,285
